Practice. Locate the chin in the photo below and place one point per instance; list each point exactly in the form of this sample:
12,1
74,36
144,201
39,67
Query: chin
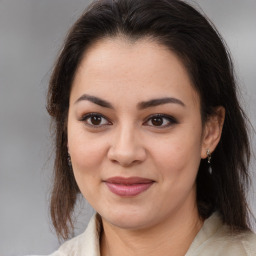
128,220
129,223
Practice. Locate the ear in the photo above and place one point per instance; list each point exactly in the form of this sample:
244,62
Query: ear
212,131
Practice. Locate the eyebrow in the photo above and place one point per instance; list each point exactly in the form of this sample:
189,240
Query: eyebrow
141,105
95,100
157,102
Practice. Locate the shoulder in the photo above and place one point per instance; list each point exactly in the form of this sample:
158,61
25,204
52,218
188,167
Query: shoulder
248,241
226,243
243,242
216,239
85,244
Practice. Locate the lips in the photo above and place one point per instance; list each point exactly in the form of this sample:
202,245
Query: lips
128,187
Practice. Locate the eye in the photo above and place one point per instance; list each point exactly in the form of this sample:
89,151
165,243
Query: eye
160,120
95,120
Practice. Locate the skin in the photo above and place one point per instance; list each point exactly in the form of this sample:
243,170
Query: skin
126,142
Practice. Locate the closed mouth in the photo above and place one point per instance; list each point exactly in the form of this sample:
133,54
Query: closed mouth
128,187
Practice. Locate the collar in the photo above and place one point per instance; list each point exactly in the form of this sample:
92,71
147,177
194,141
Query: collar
92,235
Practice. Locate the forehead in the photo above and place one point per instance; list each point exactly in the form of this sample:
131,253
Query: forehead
143,66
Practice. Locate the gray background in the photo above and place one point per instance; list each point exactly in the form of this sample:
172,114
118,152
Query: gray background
31,33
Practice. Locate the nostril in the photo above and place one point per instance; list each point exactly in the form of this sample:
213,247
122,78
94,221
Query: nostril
126,150
125,159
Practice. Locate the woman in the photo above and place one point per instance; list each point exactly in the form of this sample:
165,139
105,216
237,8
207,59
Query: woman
150,131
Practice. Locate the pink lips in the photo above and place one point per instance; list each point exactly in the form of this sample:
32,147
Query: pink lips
128,187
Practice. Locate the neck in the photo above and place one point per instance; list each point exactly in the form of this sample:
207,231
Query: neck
172,237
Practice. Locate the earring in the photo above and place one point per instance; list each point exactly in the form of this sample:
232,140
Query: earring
69,161
209,157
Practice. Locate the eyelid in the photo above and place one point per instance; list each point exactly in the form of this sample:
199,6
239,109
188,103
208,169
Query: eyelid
171,120
91,114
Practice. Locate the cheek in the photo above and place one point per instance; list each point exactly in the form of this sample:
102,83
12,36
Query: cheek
87,155
86,151
179,154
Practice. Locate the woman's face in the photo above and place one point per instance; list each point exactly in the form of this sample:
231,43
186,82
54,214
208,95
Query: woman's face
135,134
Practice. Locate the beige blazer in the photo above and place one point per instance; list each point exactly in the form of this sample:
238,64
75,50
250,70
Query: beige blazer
214,239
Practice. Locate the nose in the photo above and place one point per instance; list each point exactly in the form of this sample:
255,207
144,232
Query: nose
127,147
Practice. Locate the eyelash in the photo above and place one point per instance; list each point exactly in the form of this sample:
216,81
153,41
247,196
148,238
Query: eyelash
165,118
86,117
171,120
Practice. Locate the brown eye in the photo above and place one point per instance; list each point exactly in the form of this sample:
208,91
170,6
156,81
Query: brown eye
95,120
161,121
157,121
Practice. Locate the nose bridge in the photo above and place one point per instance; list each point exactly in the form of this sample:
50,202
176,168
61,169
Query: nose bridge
126,147
126,136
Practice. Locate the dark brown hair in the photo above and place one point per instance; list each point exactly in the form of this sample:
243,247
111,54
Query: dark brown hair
194,39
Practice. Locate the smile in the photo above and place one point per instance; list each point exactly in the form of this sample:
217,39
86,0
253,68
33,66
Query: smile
128,187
